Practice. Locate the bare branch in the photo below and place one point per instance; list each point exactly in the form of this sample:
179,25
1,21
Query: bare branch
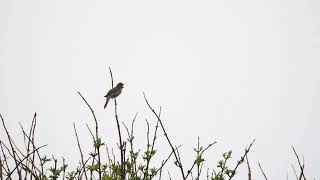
249,168
12,147
121,144
201,153
79,147
264,175
19,162
300,165
166,135
247,150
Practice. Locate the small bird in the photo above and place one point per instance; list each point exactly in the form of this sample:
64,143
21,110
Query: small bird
113,93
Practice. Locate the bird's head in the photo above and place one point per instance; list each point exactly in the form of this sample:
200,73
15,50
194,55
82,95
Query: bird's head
120,85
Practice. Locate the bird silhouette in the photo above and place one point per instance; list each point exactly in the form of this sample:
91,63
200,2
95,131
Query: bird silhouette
113,93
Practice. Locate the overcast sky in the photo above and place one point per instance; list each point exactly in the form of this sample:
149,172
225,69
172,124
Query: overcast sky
224,70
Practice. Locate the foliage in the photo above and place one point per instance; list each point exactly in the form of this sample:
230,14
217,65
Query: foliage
132,164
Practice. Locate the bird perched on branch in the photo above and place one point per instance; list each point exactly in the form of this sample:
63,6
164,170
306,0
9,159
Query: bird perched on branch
113,93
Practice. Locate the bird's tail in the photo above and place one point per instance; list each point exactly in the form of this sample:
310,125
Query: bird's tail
105,105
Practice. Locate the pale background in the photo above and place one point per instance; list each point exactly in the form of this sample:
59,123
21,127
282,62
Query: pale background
227,71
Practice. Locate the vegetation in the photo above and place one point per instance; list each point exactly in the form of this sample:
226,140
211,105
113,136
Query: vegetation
132,164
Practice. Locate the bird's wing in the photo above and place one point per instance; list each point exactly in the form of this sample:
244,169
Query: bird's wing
111,91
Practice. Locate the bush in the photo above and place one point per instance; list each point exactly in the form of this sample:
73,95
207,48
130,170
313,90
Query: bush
132,164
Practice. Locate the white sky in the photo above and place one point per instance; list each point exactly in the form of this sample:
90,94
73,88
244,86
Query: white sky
227,71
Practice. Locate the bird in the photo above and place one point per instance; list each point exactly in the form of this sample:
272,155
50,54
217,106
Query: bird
113,93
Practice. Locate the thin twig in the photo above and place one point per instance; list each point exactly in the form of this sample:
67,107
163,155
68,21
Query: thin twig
155,132
97,134
12,148
241,160
5,159
300,165
109,159
79,147
148,158
28,145
198,164
249,168
121,145
64,169
166,135
194,162
1,173
264,175
130,140
82,168
152,152
166,160
93,138
31,135
169,175
31,140
18,163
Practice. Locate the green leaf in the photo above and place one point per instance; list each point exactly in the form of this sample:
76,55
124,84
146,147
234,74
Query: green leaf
98,143
106,177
